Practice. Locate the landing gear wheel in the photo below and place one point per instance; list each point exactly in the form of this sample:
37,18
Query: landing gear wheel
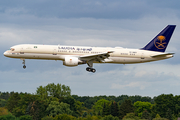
24,66
90,69
93,70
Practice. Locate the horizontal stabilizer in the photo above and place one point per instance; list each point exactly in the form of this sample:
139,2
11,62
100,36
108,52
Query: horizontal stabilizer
162,55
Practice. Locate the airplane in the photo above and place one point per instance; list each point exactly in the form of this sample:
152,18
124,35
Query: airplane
77,55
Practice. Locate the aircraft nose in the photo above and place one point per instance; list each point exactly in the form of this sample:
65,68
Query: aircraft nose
5,53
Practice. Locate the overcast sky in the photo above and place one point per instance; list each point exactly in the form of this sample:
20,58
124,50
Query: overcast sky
128,24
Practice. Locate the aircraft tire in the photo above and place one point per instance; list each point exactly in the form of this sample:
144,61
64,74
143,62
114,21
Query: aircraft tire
93,70
24,66
88,69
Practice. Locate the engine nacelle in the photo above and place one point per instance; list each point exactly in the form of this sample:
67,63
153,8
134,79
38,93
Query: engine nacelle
71,61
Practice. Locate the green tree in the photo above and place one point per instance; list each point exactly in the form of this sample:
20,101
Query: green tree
25,117
5,95
2,102
13,101
142,106
64,117
84,114
79,107
3,111
17,111
37,109
110,117
130,116
27,104
163,103
47,118
106,109
98,106
114,109
169,114
126,107
56,108
53,90
7,117
145,115
72,102
158,116
160,119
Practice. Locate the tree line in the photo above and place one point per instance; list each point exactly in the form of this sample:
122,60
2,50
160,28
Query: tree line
55,102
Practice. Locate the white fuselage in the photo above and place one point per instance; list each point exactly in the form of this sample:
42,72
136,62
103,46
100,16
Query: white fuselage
59,52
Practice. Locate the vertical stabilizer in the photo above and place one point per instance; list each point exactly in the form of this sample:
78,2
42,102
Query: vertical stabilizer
160,42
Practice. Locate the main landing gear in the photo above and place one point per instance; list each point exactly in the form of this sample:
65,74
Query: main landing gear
24,66
89,69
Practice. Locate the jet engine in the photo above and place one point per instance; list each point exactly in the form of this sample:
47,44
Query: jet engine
71,61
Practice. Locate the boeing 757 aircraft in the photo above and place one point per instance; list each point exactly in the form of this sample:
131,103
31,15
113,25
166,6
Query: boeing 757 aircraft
76,55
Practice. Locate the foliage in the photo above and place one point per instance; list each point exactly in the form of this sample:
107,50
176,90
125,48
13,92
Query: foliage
37,109
7,117
160,119
53,90
90,101
72,102
17,111
84,114
145,115
5,95
89,117
114,109
56,101
126,107
158,116
169,114
26,117
56,108
130,116
64,117
163,103
2,102
106,109
47,118
110,117
142,106
13,101
79,108
98,106
3,111
21,104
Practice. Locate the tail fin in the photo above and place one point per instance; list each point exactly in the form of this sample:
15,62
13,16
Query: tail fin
160,42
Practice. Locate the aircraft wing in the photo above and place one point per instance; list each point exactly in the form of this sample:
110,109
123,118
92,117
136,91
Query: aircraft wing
96,57
162,55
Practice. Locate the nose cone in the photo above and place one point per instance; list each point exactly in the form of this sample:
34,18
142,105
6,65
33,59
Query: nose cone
5,54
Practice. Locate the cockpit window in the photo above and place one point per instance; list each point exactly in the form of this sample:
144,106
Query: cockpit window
12,49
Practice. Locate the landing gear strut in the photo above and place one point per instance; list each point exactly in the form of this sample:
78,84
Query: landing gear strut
24,66
89,69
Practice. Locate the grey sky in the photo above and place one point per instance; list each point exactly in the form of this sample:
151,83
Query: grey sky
129,24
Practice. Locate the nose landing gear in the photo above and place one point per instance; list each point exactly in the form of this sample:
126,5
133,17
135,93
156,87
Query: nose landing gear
24,66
